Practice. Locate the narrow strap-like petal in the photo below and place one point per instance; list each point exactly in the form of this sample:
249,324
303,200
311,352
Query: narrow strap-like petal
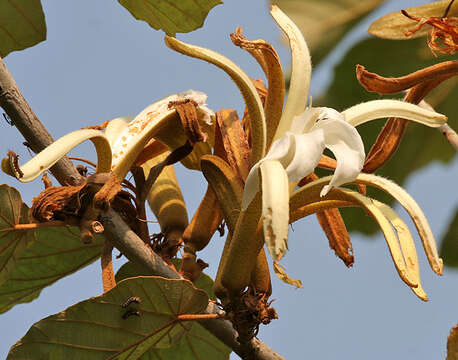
275,207
378,109
57,150
243,82
301,71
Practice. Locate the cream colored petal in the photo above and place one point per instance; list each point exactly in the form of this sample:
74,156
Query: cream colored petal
243,82
301,71
409,204
310,193
283,151
305,121
347,146
415,212
377,109
407,247
309,148
116,127
57,150
275,207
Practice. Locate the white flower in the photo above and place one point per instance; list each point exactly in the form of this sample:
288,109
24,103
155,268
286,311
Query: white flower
303,134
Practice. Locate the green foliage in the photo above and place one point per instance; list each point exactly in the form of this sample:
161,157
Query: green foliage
56,253
97,328
22,23
399,58
171,16
449,247
33,259
198,343
12,242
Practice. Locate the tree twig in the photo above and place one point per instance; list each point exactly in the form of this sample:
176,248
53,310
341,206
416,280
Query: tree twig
119,233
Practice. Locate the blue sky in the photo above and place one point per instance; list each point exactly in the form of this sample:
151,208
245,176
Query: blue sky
99,63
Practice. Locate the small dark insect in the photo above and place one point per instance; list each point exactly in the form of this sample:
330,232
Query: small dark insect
8,119
130,312
132,299
220,228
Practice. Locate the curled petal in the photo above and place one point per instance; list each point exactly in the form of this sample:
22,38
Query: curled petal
57,150
301,71
309,147
346,144
116,127
377,109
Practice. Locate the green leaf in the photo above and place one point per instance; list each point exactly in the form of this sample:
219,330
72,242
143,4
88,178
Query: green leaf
394,25
196,344
12,242
22,25
449,246
98,328
171,16
325,23
395,58
56,253
130,269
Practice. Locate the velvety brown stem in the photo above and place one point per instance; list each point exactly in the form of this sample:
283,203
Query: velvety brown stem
106,260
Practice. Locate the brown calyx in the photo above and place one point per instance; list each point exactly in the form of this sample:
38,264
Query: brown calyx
187,111
248,311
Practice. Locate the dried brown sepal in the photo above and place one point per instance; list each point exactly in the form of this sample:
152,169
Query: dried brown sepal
383,85
58,203
151,150
187,111
444,29
248,311
391,135
106,261
235,141
332,223
107,193
46,180
268,59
